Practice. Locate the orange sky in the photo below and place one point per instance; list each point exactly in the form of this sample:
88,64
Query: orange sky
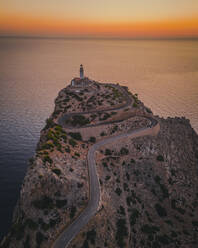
14,21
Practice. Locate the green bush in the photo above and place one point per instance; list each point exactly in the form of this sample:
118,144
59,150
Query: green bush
47,146
118,191
56,171
61,203
39,238
124,151
160,210
17,230
44,203
108,152
72,142
135,105
72,212
31,224
92,139
46,158
160,158
49,123
102,134
79,120
134,216
77,154
121,232
76,136
149,229
91,236
67,149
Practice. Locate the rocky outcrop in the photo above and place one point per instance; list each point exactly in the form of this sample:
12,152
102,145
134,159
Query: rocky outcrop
148,185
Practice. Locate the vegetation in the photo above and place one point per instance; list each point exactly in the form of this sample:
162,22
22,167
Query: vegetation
134,216
31,224
118,191
149,229
61,203
160,158
76,136
72,212
46,158
44,203
92,139
160,210
72,142
57,171
124,151
121,232
49,123
78,120
108,152
39,238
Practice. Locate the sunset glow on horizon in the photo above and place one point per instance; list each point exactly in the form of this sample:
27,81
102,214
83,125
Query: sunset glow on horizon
121,19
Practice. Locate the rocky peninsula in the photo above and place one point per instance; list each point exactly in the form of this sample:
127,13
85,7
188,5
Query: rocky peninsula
108,173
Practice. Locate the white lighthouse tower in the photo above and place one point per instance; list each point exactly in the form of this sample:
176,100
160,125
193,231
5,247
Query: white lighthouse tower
81,72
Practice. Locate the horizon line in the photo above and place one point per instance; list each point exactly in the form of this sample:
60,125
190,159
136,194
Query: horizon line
95,38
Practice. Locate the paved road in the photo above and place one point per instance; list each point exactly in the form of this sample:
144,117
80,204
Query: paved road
69,233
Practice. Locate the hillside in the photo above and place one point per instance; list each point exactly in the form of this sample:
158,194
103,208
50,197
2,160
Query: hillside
145,186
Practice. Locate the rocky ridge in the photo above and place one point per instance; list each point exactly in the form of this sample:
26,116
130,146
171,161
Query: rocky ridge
148,185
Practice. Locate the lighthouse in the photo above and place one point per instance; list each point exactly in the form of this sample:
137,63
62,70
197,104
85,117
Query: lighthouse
81,72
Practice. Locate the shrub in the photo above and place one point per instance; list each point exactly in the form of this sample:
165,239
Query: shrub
102,134
79,120
124,151
49,123
47,146
31,224
107,178
121,232
17,230
118,191
72,142
39,238
195,223
91,235
121,211
135,105
160,158
164,239
46,158
44,203
72,212
61,203
92,139
108,152
149,229
76,136
67,149
160,210
134,215
57,171
27,242
77,154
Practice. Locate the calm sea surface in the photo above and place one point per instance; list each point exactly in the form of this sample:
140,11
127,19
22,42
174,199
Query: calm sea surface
32,71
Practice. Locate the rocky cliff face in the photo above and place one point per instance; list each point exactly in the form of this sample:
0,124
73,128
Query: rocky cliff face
149,185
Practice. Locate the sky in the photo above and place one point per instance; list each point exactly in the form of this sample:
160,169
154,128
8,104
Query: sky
100,18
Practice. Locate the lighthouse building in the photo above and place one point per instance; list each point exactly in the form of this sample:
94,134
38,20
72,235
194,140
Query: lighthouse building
81,81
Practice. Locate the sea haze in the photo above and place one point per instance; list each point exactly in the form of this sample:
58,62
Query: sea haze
32,71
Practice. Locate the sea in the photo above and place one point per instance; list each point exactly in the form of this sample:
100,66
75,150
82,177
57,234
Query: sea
164,74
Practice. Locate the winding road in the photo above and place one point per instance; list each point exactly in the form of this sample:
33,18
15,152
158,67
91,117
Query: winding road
129,102
74,228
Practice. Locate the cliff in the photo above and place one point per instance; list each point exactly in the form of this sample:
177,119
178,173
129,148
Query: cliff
146,166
